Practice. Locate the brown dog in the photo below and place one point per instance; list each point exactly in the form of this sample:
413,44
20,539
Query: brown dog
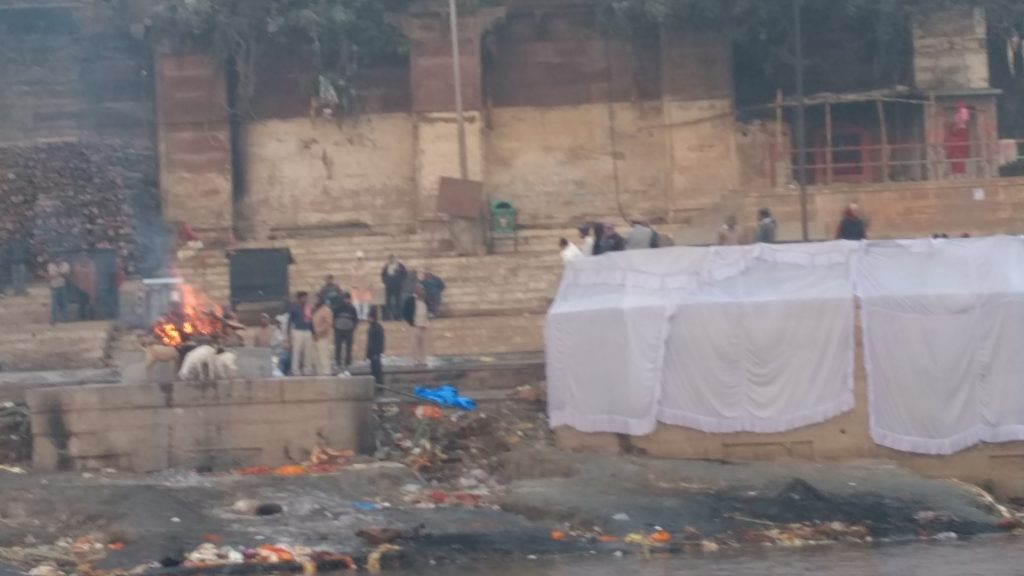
157,353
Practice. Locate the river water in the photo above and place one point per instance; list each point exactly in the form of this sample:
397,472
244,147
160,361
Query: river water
998,557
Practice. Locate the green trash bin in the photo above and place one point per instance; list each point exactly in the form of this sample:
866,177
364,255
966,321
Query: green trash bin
503,218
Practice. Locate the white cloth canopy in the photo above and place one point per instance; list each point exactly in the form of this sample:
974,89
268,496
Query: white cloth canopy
943,325
768,350
605,352
753,338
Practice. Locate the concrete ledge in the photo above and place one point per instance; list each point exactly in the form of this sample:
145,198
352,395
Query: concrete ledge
217,425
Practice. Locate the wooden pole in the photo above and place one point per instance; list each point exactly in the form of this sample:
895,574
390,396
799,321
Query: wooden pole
453,22
828,142
801,120
885,140
777,156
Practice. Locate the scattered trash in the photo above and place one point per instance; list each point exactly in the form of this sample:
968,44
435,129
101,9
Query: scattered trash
366,506
45,570
446,396
426,412
373,560
709,547
660,537
946,536
378,536
175,520
621,517
558,535
12,469
930,517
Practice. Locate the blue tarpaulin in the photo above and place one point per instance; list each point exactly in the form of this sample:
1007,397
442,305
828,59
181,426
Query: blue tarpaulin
446,396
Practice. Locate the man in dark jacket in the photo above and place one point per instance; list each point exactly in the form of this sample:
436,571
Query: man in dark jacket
375,348
393,277
433,286
852,226
346,319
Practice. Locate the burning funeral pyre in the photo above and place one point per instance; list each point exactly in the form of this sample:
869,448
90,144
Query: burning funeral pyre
192,316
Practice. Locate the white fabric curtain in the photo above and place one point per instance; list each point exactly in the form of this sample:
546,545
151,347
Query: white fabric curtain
767,350
605,350
943,325
722,339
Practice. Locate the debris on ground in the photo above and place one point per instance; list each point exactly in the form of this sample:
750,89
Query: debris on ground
208,555
457,448
373,560
321,461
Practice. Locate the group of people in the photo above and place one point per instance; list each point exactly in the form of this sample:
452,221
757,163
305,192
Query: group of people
77,280
601,238
401,283
305,334
596,239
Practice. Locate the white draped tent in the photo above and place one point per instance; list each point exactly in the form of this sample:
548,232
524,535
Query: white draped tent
943,324
741,338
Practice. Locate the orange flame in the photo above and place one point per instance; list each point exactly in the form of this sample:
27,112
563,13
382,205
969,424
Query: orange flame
201,317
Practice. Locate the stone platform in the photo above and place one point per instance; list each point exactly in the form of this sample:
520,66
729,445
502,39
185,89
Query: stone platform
505,372
214,426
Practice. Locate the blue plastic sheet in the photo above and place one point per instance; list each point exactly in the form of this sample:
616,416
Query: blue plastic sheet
446,396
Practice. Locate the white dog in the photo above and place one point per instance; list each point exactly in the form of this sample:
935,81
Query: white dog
227,365
200,363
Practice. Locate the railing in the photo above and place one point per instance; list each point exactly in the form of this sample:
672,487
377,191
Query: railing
901,162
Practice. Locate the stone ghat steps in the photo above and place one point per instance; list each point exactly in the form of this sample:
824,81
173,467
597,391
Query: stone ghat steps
64,346
378,247
33,308
475,285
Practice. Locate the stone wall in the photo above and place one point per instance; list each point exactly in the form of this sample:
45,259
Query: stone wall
306,173
194,143
71,70
222,425
950,49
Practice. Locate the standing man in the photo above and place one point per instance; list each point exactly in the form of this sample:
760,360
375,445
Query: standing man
57,275
569,251
322,320
18,257
83,277
640,237
730,234
300,332
765,227
852,226
586,241
393,277
330,293
346,319
433,287
375,348
362,295
418,316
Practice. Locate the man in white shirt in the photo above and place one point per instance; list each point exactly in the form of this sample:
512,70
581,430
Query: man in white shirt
569,251
57,273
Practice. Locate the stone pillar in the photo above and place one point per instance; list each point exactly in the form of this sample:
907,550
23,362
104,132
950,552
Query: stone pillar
194,144
950,49
433,99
